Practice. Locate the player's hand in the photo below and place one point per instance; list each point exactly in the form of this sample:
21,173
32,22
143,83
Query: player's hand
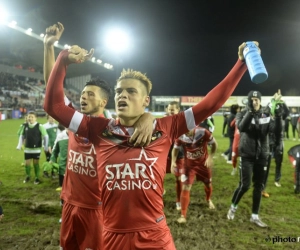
209,162
241,49
277,96
250,106
53,34
1,216
79,55
143,130
50,150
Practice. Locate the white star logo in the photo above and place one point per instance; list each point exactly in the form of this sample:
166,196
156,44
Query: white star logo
92,150
143,155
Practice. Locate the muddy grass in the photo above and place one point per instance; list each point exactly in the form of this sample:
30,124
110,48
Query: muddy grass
205,229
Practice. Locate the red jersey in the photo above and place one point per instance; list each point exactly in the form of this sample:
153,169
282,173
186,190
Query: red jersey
131,179
80,185
195,146
81,176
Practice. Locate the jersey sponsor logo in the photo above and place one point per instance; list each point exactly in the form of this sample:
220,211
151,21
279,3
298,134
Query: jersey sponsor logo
83,162
195,154
135,174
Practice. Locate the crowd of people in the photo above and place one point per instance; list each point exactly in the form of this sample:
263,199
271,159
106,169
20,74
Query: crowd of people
19,92
106,163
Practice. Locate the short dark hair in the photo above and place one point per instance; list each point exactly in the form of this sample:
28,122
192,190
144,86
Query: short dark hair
234,108
103,85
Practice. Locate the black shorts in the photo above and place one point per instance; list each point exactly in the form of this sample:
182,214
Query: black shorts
29,156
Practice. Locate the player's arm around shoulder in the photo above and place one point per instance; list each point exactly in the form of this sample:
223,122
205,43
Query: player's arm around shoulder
143,130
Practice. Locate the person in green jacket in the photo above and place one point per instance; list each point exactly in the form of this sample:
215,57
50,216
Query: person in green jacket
32,136
60,150
22,125
19,132
51,128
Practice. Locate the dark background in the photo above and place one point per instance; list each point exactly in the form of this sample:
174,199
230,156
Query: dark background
185,47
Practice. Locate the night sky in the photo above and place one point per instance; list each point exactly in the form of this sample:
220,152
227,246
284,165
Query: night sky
185,47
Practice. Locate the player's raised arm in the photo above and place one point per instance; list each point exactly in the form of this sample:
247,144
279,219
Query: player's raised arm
54,103
53,34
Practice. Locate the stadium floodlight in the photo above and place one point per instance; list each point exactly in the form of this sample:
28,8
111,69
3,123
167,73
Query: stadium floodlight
56,43
29,30
12,24
117,40
99,61
66,46
42,35
93,59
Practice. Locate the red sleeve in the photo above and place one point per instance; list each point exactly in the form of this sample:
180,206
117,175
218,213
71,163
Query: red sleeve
54,103
174,125
214,100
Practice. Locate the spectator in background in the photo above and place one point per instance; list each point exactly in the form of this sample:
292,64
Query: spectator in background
60,150
287,127
33,134
20,130
51,128
254,123
230,132
226,114
276,144
208,124
294,120
298,128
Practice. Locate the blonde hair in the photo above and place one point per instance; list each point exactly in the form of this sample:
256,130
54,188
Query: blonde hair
132,74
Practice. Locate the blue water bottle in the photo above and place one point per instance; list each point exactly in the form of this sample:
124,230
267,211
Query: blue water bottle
255,64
